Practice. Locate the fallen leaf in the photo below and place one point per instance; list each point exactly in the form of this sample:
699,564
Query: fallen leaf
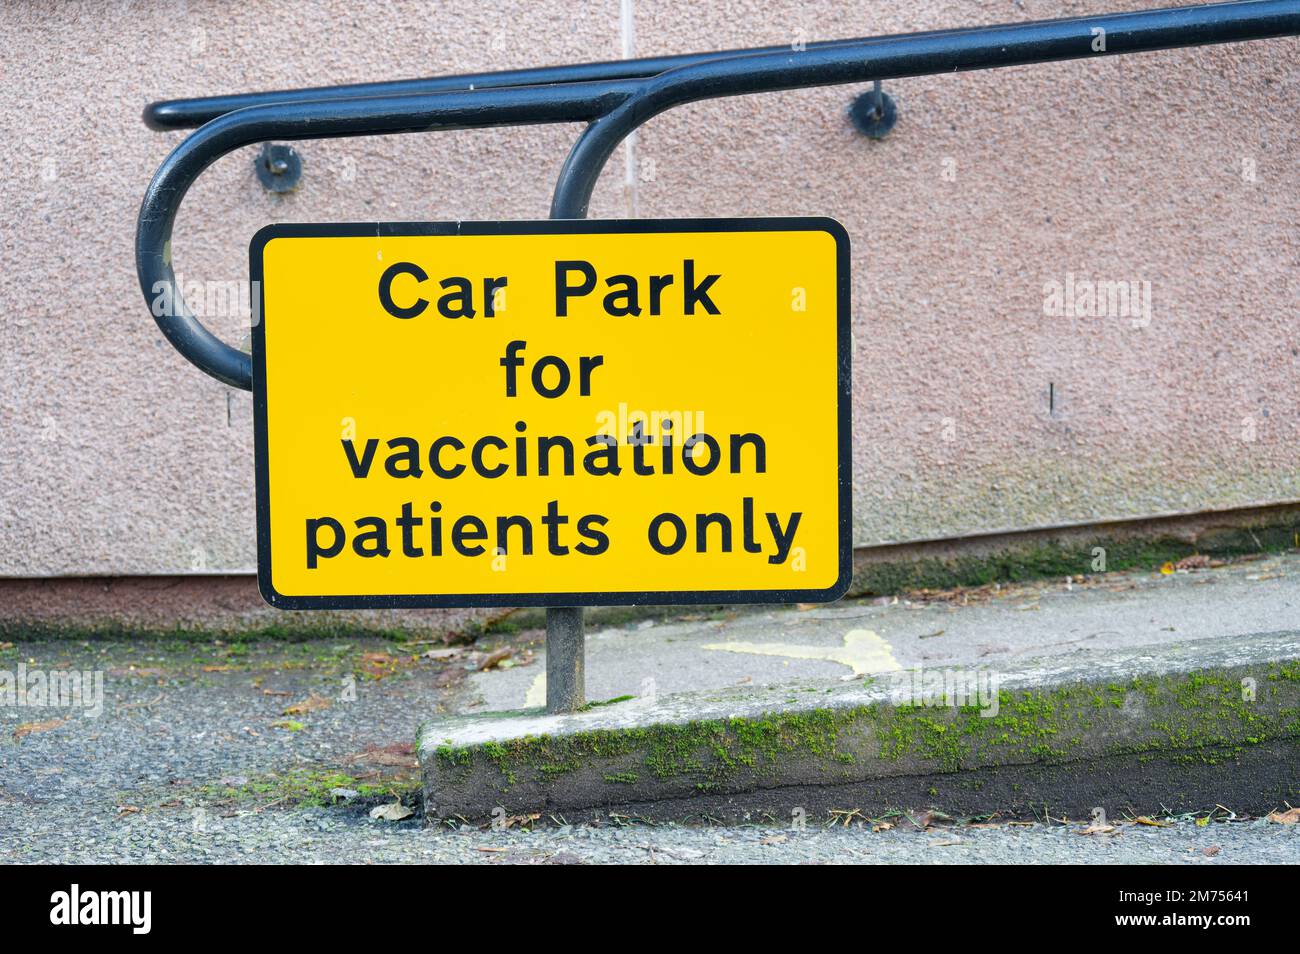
27,728
513,820
218,668
1202,821
881,826
4,646
1144,820
1167,569
774,840
289,724
394,811
494,659
310,704
1095,830
276,692
487,850
846,815
1210,850
1197,561
927,819
378,665
441,653
127,810
399,754
1289,817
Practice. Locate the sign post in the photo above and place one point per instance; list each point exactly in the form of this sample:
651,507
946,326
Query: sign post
566,689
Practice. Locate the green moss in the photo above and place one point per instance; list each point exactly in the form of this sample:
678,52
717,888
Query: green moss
306,629
605,702
309,787
1196,716
1285,671
1061,559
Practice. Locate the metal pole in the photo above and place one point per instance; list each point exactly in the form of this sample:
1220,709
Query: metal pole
192,113
566,689
566,649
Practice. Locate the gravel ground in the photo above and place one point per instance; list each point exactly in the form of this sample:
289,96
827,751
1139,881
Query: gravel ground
209,752
335,836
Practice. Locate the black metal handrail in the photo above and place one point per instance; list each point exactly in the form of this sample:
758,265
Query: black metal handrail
614,99
190,113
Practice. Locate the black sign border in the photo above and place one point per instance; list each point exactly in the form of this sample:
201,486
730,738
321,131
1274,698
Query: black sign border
557,227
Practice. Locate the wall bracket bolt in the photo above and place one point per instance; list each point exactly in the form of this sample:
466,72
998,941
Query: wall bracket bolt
874,113
278,167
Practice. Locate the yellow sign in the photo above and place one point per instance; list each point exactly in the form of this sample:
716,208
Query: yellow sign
552,413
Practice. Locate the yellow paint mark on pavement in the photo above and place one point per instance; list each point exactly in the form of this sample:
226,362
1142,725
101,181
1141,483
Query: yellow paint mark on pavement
536,695
863,651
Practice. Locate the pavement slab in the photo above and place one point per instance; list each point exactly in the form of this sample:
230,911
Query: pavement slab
1005,626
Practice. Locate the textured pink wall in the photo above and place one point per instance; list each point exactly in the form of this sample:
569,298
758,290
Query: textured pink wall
119,458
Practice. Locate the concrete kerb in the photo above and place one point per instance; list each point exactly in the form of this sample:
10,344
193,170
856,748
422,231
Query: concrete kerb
1162,728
